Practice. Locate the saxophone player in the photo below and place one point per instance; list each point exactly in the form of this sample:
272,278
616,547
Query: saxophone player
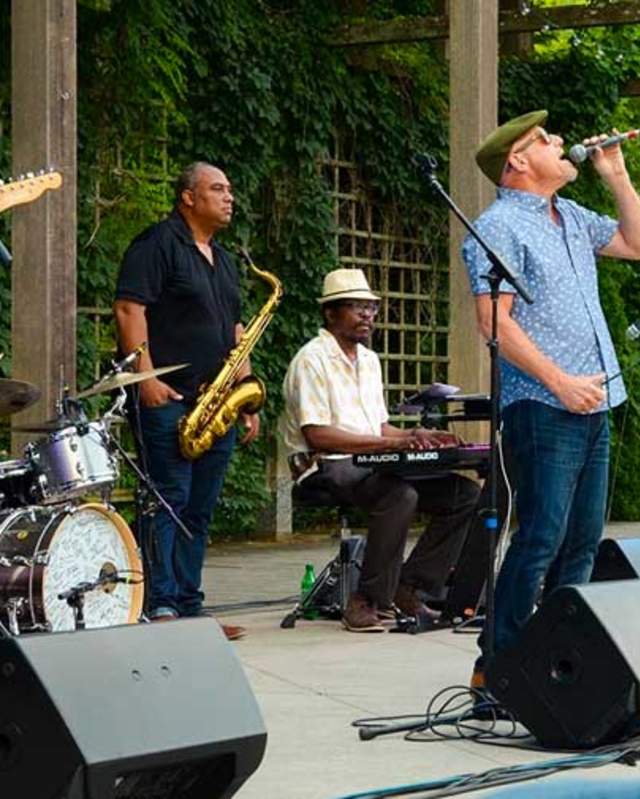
178,289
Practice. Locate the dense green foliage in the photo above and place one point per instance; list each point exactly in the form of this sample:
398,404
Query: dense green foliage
253,86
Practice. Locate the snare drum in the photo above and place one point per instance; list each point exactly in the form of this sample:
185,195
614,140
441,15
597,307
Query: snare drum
71,462
47,551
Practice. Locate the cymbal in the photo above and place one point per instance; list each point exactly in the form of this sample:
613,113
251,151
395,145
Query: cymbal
16,395
126,379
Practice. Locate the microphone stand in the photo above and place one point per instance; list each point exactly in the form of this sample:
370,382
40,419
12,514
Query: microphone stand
499,271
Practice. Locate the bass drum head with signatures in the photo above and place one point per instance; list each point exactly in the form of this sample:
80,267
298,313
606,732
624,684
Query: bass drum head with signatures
45,552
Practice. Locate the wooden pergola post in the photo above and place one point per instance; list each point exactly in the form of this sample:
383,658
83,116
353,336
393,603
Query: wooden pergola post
473,86
44,233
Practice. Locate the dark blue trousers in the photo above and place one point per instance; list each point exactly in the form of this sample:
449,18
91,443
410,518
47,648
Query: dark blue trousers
559,463
192,489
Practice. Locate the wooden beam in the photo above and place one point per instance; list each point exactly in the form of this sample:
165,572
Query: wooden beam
518,44
417,29
44,232
473,48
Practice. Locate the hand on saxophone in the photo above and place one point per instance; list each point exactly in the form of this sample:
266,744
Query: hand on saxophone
251,423
154,392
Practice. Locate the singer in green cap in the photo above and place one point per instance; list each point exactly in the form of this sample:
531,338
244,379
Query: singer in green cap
559,371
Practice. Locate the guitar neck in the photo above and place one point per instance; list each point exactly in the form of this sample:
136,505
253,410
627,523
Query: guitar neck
27,189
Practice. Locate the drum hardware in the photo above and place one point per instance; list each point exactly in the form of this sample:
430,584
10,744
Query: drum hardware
51,547
107,581
19,560
153,491
116,412
14,609
74,597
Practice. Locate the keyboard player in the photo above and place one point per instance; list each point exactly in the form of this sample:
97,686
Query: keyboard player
335,407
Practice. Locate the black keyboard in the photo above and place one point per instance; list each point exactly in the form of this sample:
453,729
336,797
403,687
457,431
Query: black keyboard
427,461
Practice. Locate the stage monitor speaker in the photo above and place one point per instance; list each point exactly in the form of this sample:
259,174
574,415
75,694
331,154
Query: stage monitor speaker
572,678
135,712
617,559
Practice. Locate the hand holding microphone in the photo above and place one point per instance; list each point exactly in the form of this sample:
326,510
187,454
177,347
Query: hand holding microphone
580,152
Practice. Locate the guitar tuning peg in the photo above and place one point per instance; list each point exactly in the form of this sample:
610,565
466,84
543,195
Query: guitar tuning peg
20,177
30,175
1,182
40,172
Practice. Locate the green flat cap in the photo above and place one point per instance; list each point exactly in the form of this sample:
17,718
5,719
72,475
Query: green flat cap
492,154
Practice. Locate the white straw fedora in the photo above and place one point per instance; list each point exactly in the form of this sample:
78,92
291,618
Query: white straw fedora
343,284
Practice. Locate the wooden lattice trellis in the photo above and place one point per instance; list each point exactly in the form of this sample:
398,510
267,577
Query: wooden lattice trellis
403,259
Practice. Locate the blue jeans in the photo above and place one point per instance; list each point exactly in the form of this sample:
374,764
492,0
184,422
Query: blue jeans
560,464
192,489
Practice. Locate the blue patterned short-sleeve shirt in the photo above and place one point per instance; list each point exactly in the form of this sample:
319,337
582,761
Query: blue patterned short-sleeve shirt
557,263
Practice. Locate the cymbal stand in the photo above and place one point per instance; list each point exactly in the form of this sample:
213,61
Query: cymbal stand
117,411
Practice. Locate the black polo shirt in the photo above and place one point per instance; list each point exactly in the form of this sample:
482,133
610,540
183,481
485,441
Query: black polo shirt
192,308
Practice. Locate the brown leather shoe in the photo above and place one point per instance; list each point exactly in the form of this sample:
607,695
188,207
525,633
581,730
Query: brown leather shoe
360,616
409,603
233,632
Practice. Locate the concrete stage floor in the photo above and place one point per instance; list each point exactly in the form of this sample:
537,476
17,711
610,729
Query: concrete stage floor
313,681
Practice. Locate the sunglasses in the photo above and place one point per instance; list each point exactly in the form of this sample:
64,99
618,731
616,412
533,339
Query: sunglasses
541,134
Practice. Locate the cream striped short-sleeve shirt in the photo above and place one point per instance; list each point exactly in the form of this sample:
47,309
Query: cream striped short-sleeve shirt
323,387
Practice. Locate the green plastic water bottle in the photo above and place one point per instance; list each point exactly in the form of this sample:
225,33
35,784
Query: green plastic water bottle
306,584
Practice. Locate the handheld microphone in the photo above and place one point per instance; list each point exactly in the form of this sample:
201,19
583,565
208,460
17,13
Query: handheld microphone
579,152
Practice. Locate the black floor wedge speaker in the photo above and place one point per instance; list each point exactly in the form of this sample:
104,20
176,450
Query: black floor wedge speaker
135,712
572,679
617,559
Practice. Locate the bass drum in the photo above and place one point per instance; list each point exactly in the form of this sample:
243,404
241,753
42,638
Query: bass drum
47,551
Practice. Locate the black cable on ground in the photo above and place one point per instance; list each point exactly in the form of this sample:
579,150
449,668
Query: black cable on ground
455,713
252,603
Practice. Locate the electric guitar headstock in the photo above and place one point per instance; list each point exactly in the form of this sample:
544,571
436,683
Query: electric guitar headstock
27,188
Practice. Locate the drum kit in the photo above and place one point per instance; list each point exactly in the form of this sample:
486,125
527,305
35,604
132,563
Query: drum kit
67,562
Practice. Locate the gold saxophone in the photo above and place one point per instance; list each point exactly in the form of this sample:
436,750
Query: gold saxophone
220,402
